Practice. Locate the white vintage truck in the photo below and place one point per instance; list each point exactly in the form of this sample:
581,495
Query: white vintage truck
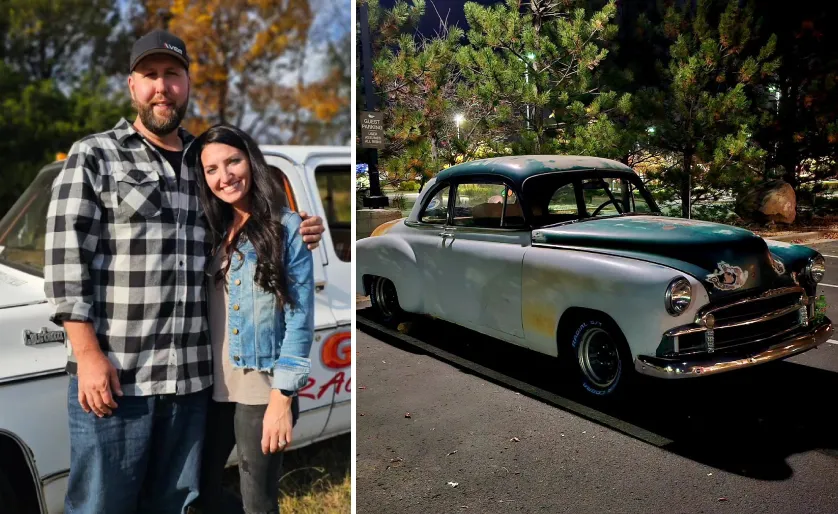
34,441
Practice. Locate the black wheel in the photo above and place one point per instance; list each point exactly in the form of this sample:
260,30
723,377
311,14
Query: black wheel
385,300
598,359
9,503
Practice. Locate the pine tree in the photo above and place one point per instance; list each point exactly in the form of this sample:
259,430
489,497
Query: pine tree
532,65
416,82
802,136
702,108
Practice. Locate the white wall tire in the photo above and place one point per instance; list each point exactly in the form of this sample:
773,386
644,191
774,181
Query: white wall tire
598,359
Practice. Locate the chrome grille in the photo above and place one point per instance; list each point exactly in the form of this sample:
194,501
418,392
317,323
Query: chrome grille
743,322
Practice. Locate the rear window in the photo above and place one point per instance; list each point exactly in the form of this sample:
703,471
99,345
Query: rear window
335,186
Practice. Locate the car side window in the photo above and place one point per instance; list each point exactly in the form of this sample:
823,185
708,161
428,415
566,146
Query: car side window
436,211
487,206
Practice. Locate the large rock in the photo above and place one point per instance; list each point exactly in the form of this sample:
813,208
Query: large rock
773,201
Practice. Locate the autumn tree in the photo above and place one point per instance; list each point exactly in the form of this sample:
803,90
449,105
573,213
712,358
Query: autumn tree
246,57
325,102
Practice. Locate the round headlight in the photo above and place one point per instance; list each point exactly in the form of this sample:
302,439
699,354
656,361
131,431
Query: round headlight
679,294
816,269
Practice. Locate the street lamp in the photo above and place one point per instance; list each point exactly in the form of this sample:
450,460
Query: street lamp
458,119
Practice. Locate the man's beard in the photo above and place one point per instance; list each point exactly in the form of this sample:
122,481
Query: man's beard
156,125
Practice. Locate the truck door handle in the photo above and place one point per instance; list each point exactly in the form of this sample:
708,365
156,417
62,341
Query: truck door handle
447,231
319,286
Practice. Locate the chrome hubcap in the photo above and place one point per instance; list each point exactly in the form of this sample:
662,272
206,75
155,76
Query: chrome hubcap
599,359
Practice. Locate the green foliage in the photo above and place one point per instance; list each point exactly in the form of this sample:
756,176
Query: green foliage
59,38
51,92
702,108
534,73
416,82
409,186
715,212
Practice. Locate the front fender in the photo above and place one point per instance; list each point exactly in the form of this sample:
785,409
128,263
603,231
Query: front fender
630,291
793,257
392,258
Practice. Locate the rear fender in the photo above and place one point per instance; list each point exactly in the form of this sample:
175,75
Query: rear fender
392,258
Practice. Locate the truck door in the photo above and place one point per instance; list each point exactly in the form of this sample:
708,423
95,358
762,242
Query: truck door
314,407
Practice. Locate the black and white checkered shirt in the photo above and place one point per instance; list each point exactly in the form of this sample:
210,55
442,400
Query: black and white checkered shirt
125,250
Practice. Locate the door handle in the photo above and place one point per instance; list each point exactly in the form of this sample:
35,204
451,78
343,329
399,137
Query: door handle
447,231
319,286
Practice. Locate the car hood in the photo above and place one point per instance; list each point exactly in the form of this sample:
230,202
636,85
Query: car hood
729,261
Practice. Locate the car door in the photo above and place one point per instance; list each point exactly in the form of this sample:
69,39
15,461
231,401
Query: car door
425,239
480,256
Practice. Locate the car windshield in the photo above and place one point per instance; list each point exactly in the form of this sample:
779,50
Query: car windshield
23,228
557,198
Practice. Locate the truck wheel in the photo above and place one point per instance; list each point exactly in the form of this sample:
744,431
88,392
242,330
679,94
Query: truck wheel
385,300
597,356
8,499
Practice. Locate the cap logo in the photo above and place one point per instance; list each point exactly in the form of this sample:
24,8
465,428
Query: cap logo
176,49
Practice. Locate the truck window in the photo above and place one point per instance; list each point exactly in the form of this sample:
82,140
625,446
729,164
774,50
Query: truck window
335,186
23,229
286,186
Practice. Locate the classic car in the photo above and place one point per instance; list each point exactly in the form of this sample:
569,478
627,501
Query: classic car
34,441
571,257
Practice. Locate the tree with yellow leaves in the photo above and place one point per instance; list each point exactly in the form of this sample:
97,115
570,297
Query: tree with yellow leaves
248,60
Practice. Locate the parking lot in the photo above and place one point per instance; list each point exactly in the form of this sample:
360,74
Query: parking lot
452,421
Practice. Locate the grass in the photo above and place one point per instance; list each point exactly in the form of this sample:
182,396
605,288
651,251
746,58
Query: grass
315,479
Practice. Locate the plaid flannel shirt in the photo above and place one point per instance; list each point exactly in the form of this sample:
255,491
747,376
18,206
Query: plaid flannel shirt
125,250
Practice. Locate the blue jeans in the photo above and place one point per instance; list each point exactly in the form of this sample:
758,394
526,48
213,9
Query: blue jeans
145,457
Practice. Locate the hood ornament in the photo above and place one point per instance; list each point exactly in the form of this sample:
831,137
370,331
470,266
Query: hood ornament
727,277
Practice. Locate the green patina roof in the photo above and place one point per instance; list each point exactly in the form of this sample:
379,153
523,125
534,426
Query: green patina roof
520,167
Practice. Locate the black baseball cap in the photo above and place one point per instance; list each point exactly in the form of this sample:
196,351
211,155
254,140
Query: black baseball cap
159,42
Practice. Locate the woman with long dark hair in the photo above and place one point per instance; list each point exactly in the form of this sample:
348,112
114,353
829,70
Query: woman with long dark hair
261,312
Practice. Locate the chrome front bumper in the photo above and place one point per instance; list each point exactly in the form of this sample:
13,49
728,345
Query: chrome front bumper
671,368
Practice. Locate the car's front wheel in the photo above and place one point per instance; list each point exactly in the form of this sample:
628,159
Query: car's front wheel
385,300
597,356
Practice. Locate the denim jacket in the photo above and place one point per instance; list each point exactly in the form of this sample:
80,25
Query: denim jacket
262,335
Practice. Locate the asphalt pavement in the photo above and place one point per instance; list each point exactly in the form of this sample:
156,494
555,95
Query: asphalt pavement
829,286
452,421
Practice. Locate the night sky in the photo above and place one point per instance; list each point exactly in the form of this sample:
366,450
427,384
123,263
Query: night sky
452,9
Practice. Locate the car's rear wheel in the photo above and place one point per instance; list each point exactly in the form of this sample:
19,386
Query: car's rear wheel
385,300
597,356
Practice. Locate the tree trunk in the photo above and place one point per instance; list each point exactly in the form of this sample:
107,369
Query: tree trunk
686,185
789,155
